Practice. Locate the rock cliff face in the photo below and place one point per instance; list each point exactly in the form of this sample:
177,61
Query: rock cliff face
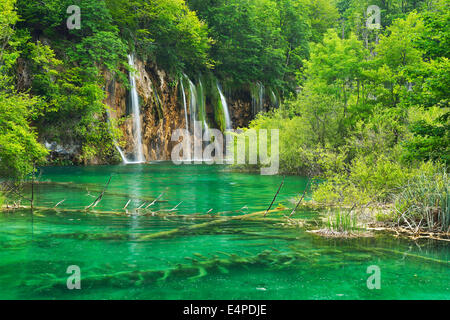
240,112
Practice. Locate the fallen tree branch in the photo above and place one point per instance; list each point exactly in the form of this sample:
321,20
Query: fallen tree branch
154,201
276,194
59,203
301,199
99,198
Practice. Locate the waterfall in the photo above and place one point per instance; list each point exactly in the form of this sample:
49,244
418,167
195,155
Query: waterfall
274,101
226,113
124,158
138,150
257,93
202,107
261,97
197,104
184,104
197,113
192,102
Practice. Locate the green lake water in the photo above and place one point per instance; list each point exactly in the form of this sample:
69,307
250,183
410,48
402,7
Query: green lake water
233,260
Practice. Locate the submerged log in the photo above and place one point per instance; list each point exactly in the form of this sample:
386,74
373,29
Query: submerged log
379,250
199,267
194,227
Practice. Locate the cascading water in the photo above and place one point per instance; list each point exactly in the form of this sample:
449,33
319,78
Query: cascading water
257,98
138,150
226,112
184,104
261,97
201,100
197,113
202,107
192,102
122,154
274,101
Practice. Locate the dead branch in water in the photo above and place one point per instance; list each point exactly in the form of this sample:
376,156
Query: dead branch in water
276,195
143,204
99,198
59,203
301,199
154,201
95,189
7,187
174,208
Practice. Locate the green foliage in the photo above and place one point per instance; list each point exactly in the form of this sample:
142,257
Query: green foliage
19,149
430,142
322,15
370,113
258,40
2,199
165,30
8,57
71,110
354,12
8,19
319,119
435,40
364,181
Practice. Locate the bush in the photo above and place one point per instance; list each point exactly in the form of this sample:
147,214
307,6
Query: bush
364,181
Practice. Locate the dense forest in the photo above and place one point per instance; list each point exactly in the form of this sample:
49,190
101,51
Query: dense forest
366,111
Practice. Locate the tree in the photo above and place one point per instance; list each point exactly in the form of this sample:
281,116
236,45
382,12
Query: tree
257,40
336,69
19,149
164,30
322,15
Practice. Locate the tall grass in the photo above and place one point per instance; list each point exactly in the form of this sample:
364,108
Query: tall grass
342,222
423,203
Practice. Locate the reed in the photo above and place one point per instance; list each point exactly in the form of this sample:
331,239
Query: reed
342,221
423,203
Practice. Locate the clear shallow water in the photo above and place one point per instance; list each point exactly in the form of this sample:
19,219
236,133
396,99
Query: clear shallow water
234,260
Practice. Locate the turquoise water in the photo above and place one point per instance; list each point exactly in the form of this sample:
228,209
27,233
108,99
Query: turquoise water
249,259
